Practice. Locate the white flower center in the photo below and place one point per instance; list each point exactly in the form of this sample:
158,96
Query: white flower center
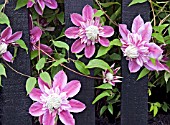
131,51
53,101
3,48
109,76
92,32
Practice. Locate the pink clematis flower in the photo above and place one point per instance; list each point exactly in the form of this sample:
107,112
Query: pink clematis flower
52,100
137,48
39,5
6,39
88,31
110,78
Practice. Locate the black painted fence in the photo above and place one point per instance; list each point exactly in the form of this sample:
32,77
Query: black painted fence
14,103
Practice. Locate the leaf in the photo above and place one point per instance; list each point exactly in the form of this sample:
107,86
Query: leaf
149,92
153,61
21,3
34,54
1,81
168,86
2,70
46,77
165,106
97,63
166,76
160,28
102,95
99,13
102,51
58,62
155,110
143,73
61,44
115,15
137,1
1,7
81,67
4,19
159,37
30,84
116,42
22,45
109,4
102,110
104,86
40,64
60,17
157,104
110,108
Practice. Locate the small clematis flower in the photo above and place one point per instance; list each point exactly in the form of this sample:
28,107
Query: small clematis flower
138,49
88,31
52,101
6,39
39,5
110,78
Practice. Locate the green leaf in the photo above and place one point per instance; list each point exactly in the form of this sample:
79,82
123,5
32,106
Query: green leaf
168,86
166,76
97,63
149,92
143,73
46,77
159,37
79,56
116,42
34,54
137,1
81,67
61,44
157,104
30,84
4,19
102,95
165,106
2,70
153,61
109,4
1,81
102,51
160,28
115,15
104,86
21,3
58,62
110,108
155,110
102,110
99,13
22,45
60,17
1,7
40,64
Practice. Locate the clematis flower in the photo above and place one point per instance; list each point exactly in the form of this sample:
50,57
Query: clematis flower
39,5
35,35
89,31
138,49
6,39
52,101
111,78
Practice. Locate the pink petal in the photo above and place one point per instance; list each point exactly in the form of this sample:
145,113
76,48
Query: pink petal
35,94
52,4
38,9
133,66
104,42
137,23
66,118
89,51
76,19
42,84
36,33
48,118
36,109
72,88
157,67
46,49
40,119
7,56
60,80
77,46
30,22
6,33
76,106
88,12
30,4
41,4
16,36
72,32
123,31
108,31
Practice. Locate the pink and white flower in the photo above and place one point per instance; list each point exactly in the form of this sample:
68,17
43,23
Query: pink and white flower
6,39
89,31
137,48
111,78
39,5
52,100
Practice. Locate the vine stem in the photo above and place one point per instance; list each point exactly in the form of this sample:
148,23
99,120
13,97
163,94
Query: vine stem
154,17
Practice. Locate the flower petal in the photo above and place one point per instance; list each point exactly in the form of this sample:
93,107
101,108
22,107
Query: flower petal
76,106
41,4
72,88
66,118
49,118
60,80
123,31
46,49
16,36
38,9
35,94
52,4
7,56
36,33
158,66
76,19
108,31
88,12
72,32
133,66
6,33
36,109
89,51
42,84
104,42
30,4
77,46
137,23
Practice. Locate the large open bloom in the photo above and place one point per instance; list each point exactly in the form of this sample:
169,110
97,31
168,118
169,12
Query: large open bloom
52,100
88,31
6,39
39,5
137,48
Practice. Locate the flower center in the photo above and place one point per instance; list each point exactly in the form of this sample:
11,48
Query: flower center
53,101
131,51
3,48
109,76
92,32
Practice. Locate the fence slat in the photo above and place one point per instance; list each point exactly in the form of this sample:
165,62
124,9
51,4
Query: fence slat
134,102
87,91
14,103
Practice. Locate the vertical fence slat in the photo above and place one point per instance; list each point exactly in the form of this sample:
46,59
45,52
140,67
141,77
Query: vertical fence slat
14,103
86,95
134,102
